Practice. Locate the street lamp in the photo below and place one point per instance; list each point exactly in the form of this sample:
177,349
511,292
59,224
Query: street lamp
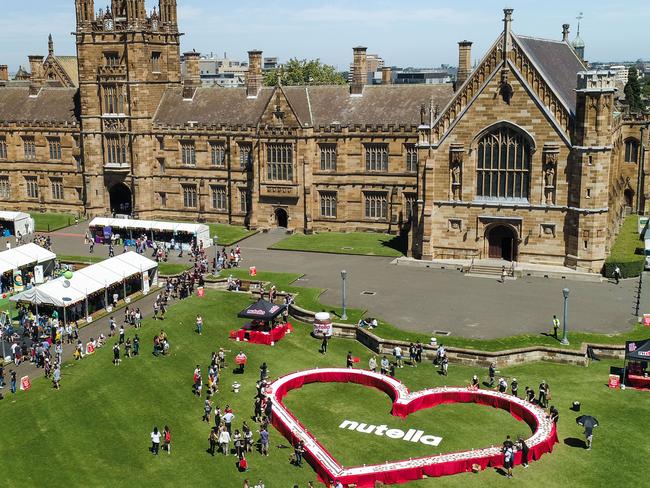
565,293
344,315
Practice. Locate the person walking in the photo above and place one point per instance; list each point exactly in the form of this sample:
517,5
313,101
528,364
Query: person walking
504,274
207,409
556,326
56,377
122,334
155,441
167,438
112,325
224,441
617,274
199,324
445,366
491,373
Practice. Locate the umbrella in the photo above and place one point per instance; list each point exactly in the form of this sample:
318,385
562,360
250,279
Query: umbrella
587,421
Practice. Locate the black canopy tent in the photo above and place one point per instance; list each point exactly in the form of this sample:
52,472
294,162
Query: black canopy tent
262,310
637,352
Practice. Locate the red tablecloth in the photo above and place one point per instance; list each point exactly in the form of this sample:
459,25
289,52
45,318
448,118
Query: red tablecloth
258,337
405,402
638,381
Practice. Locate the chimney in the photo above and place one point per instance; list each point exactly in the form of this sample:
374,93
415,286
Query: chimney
36,68
359,70
565,32
4,72
192,78
387,75
464,62
254,74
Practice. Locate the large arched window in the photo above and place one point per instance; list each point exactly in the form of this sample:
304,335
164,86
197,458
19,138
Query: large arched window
631,151
503,165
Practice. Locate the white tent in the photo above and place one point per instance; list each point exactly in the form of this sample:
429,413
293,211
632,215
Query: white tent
26,255
118,226
62,292
17,222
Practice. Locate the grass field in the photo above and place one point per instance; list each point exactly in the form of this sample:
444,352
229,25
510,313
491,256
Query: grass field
364,243
48,222
227,235
95,430
627,251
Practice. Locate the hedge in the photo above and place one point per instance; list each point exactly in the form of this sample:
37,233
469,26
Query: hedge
631,267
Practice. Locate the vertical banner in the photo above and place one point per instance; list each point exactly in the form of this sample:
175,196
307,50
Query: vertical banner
19,285
614,381
145,282
200,291
25,383
38,274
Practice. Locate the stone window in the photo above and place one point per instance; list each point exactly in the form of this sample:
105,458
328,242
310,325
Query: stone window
327,157
155,62
632,151
111,59
188,153
279,164
411,158
218,154
3,148
503,165
116,150
376,157
5,188
328,201
55,148
190,196
245,155
376,205
32,186
114,99
409,203
57,188
219,198
77,162
29,146
243,200
163,199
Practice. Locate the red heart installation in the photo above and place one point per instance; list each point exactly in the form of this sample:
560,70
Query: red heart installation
404,403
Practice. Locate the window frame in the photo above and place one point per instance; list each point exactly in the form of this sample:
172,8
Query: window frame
375,204
412,157
57,188
190,195
31,187
279,161
116,150
3,148
631,145
244,196
245,155
219,195
328,203
188,152
215,148
54,145
328,152
29,148
376,157
5,187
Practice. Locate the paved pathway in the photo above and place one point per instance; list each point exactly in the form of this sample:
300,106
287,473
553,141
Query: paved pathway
427,300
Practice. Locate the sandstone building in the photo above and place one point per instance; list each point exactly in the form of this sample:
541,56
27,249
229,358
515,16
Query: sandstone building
527,159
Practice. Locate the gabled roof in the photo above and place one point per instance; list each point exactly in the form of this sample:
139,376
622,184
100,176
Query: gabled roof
51,105
69,65
557,63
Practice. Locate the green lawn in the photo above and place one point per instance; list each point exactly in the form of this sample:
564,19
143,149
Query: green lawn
48,222
168,269
627,251
227,235
80,259
365,243
95,430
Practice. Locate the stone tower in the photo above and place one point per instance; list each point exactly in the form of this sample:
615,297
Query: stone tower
590,172
127,59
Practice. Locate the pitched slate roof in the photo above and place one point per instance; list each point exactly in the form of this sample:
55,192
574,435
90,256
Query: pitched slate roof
557,63
70,66
51,105
380,105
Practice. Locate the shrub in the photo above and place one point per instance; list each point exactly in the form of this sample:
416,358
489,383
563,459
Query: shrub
631,266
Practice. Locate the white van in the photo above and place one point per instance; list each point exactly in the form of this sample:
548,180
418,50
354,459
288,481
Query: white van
647,254
643,222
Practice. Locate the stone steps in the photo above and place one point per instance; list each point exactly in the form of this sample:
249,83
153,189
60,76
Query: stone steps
489,271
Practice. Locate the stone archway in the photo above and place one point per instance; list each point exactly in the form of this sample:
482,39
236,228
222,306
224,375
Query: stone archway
281,218
629,197
502,242
121,199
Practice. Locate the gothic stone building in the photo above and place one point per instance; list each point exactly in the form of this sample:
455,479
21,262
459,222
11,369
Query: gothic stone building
526,160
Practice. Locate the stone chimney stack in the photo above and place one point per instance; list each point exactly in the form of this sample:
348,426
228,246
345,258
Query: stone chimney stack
359,70
387,75
254,76
565,32
192,78
464,62
4,73
36,68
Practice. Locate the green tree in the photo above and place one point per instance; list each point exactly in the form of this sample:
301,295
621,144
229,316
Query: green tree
304,72
633,91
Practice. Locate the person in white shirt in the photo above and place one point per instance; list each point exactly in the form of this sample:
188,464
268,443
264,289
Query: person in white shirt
397,352
224,440
372,364
155,441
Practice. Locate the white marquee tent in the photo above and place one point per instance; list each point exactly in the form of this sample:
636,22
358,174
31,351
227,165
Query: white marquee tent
62,292
123,226
26,255
17,222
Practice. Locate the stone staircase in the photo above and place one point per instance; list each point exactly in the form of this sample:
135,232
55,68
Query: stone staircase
491,270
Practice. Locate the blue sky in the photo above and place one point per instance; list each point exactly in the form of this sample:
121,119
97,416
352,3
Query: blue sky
404,33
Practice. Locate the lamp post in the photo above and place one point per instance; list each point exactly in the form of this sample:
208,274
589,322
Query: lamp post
565,293
344,315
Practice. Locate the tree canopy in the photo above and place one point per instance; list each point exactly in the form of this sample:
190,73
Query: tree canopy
304,72
633,91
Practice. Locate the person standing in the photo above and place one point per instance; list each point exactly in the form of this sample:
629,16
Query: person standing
617,274
349,361
491,373
372,364
514,387
122,334
553,414
503,385
543,394
268,409
298,451
167,437
155,441
207,409
56,377
199,324
228,417
12,381
523,447
504,274
508,456
556,326
385,365
112,325
224,440
445,365
213,440
323,344
264,441
2,377
116,354
397,352
136,345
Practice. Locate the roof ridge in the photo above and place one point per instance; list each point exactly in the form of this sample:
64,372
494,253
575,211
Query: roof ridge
540,39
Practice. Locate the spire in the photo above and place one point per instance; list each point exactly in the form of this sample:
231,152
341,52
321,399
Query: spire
50,45
578,44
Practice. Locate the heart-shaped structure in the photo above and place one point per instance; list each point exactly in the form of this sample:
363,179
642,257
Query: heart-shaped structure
404,403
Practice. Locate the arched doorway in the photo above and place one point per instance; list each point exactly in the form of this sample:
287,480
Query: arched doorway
629,197
120,196
281,218
502,242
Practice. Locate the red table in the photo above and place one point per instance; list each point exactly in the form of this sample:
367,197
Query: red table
405,402
637,381
260,337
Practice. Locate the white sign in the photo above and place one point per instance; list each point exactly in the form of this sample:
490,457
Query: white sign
145,282
38,274
412,435
322,324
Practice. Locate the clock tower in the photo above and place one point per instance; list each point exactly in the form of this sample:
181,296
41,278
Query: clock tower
127,59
